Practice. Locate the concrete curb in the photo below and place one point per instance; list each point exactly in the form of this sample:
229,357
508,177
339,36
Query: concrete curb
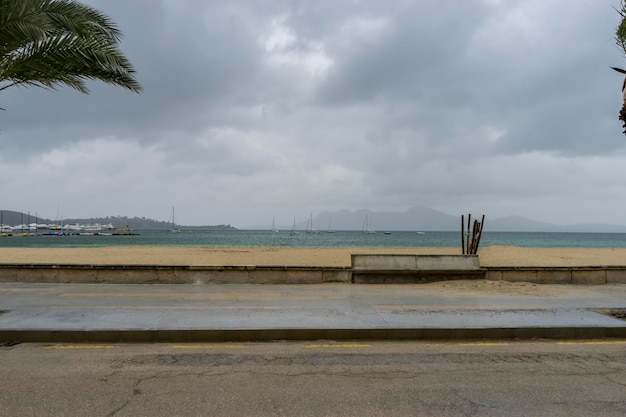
257,335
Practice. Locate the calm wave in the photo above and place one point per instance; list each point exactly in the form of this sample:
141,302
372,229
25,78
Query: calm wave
323,239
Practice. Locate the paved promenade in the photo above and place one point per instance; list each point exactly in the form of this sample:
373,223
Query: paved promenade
135,313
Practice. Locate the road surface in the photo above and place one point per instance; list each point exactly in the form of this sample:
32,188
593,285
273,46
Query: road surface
322,378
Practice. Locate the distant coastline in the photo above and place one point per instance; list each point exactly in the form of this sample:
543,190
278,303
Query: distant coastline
15,218
413,219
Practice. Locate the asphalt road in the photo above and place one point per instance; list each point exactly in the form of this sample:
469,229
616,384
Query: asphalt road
581,378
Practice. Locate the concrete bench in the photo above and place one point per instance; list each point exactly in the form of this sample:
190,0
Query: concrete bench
396,269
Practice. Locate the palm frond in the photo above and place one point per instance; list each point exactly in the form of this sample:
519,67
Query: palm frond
619,70
620,32
48,43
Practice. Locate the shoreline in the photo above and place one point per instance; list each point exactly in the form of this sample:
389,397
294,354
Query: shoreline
489,256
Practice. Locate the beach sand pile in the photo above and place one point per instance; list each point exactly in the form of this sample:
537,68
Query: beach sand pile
324,257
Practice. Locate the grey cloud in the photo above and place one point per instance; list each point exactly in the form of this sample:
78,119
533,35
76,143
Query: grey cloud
417,56
442,104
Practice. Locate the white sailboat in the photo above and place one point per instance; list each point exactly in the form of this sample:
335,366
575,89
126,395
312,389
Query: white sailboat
4,229
367,227
293,229
274,229
329,229
174,229
309,225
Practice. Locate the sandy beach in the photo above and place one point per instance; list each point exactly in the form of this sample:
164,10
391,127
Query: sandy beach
329,257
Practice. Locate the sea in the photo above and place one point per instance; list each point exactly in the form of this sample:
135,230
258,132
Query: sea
338,239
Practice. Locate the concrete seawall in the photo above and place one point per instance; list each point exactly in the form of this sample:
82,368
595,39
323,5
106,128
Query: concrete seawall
242,274
164,274
399,269
560,275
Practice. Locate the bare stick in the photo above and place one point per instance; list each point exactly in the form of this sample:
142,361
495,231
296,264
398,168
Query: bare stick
469,223
463,234
482,225
475,228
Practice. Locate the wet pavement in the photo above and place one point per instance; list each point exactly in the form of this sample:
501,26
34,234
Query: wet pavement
246,312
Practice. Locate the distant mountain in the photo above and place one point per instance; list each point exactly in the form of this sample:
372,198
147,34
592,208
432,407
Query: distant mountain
416,218
522,224
427,219
518,224
13,218
413,219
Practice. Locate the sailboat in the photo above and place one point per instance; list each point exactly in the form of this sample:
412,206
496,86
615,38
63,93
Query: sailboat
274,229
329,229
3,229
293,229
309,225
366,226
174,229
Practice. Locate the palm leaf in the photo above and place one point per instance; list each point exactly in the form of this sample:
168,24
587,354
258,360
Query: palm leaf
48,43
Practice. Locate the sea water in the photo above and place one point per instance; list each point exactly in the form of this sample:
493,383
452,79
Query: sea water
215,238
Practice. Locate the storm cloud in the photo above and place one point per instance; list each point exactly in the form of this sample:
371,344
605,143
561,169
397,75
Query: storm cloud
253,110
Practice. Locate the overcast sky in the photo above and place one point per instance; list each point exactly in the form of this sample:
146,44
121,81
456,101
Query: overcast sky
260,109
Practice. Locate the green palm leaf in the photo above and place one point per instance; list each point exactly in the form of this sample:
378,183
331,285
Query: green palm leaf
48,43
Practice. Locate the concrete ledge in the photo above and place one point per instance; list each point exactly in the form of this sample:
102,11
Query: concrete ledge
252,335
367,272
173,274
397,269
392,262
592,275
407,277
616,276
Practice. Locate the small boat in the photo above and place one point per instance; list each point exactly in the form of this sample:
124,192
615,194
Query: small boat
5,230
174,229
92,228
293,229
309,226
366,226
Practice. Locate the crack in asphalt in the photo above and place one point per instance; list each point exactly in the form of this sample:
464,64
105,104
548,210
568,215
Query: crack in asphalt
223,359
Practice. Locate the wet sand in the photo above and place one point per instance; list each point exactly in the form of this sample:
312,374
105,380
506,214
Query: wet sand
328,257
